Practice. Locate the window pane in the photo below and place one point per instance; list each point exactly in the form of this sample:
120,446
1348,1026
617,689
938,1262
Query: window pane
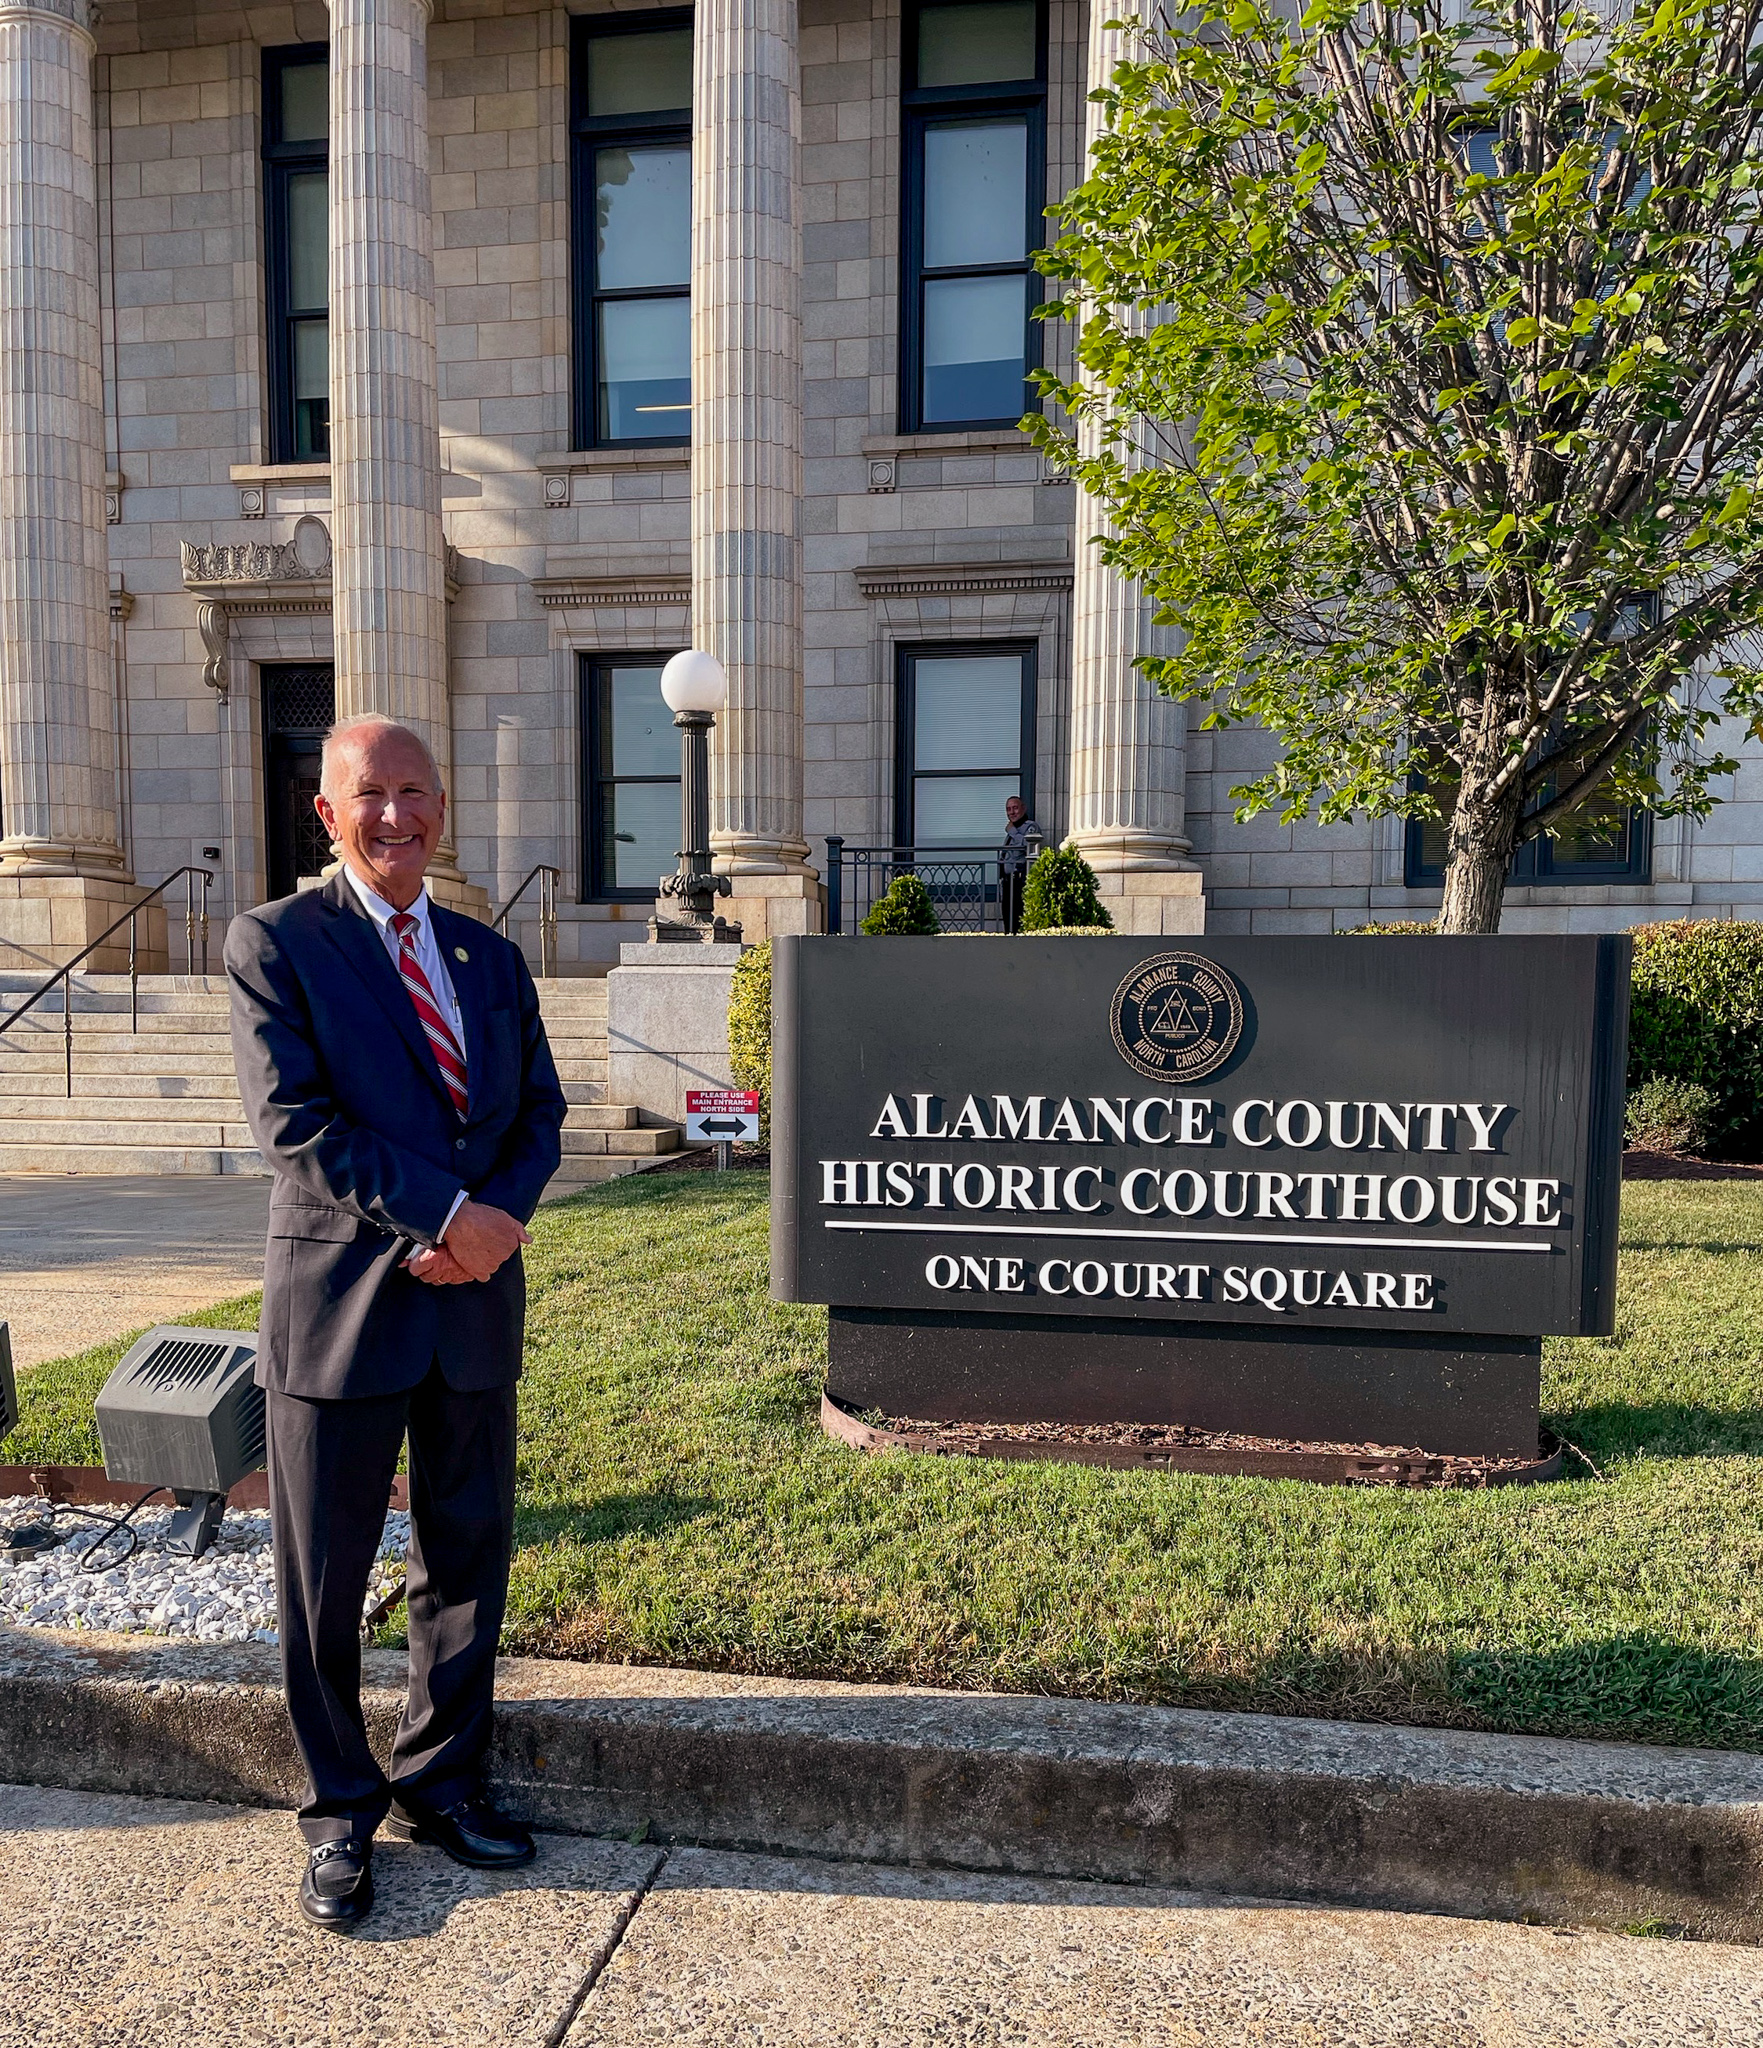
637,736
1596,836
640,821
306,95
967,711
312,390
646,74
308,241
645,368
643,202
975,194
961,810
974,45
975,330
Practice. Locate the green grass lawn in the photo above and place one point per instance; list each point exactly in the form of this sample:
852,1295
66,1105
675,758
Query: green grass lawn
680,1505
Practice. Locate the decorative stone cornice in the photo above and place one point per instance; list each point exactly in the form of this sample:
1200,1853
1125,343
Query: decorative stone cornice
569,593
960,579
263,578
304,558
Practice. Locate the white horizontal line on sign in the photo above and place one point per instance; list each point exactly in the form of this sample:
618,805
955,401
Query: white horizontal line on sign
1389,1244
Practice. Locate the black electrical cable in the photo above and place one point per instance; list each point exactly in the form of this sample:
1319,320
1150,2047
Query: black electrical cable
110,1525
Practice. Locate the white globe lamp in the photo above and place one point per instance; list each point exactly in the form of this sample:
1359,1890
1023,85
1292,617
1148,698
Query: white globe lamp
695,681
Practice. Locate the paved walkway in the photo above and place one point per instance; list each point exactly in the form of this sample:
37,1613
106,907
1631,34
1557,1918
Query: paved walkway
84,1258
131,1921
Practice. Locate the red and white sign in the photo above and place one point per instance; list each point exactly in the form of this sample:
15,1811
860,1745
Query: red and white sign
729,1115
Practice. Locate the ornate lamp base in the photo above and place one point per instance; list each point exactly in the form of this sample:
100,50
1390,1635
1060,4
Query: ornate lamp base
712,931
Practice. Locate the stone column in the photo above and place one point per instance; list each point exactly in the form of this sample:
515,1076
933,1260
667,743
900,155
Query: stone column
63,876
1128,743
747,447
388,568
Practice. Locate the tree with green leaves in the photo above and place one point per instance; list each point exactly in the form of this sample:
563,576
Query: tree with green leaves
1419,345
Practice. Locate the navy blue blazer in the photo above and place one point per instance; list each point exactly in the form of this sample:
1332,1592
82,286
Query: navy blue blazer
348,1106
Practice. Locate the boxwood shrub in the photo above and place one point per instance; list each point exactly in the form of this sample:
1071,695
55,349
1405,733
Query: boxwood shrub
1696,1017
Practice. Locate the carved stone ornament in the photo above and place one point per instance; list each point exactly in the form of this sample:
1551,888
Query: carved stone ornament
299,560
255,576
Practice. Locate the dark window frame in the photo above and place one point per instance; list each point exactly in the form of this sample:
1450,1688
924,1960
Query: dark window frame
906,776
590,668
926,106
1533,864
281,162
589,133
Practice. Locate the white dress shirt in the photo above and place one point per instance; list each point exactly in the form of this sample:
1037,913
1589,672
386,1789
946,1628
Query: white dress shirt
428,958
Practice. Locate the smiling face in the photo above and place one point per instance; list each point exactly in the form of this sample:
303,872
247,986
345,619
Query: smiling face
382,805
1015,810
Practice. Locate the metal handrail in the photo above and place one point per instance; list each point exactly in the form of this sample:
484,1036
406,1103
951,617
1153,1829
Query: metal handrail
547,878
192,925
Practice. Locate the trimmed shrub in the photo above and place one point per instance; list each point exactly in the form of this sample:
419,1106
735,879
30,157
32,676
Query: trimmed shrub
1670,1116
1060,894
749,1029
1696,1016
905,912
1396,930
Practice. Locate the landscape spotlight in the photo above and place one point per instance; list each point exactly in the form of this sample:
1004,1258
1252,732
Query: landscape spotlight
183,1412
8,1385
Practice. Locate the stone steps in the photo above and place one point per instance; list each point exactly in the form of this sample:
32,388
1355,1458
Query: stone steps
161,1097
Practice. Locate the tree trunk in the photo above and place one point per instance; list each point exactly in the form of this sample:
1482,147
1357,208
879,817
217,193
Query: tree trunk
1480,839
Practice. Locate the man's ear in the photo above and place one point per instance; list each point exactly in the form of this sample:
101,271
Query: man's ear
327,814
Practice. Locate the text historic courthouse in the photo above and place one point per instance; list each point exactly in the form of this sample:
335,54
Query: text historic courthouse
465,365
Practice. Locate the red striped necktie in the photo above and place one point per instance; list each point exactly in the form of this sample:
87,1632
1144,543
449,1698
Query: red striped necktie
449,1054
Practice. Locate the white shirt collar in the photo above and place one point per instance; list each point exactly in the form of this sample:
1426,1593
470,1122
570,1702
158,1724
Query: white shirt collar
383,912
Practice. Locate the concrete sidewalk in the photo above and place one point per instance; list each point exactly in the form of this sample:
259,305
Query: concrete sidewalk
1419,1820
83,1258
131,1921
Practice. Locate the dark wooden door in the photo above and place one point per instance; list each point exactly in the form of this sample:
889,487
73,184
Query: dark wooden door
299,708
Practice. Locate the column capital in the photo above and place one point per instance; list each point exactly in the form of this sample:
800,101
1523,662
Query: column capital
78,17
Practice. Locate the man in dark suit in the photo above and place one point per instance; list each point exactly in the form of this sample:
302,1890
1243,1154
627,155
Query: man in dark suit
397,1079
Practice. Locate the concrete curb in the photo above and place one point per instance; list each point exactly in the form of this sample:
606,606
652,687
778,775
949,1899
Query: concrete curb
1506,1827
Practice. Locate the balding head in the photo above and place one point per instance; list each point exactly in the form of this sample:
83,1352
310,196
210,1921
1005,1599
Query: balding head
381,801
349,733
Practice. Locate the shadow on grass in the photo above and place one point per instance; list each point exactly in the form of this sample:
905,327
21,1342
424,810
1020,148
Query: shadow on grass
1658,1429
611,1516
1638,1686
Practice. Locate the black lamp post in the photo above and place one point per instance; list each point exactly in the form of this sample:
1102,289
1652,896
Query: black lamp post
695,687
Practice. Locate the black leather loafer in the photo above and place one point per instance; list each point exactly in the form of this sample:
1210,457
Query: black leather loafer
337,1888
471,1831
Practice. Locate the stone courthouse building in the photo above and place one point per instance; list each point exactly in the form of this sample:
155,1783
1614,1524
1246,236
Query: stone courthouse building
465,364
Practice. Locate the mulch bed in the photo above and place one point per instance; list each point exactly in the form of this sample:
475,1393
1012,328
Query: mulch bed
703,1160
1137,1445
1639,1164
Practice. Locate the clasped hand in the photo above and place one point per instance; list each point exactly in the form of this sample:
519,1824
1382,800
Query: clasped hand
479,1239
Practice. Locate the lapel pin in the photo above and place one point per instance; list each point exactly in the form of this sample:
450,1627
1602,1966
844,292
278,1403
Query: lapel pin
459,953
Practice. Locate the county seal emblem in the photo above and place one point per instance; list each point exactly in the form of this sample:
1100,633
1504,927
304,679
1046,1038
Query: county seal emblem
1177,1017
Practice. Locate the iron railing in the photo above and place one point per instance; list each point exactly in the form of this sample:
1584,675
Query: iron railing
963,882
196,883
547,879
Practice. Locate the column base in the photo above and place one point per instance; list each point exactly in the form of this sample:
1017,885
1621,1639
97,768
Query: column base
48,920
1148,902
769,906
449,887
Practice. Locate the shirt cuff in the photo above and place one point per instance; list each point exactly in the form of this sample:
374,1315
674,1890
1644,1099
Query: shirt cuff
459,1202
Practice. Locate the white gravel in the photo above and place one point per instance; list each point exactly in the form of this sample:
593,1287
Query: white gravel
225,1596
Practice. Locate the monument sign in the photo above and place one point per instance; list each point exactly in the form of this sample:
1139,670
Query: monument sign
1320,1189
